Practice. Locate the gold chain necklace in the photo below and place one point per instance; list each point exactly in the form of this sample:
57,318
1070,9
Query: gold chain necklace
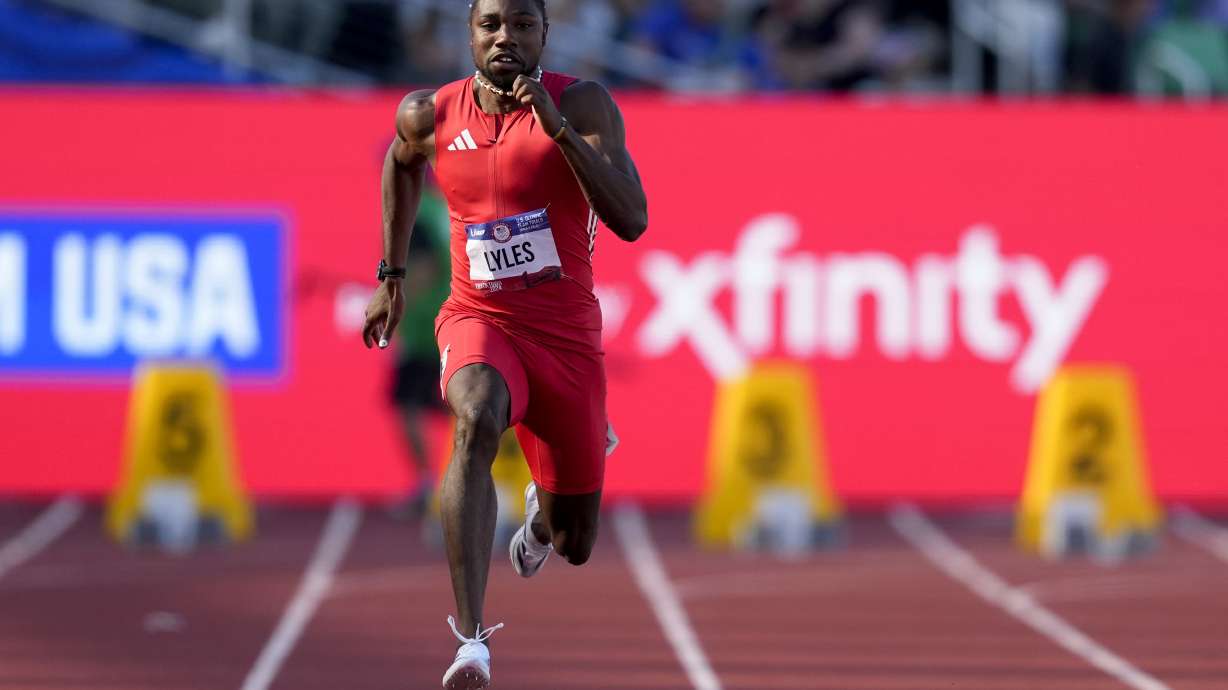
537,75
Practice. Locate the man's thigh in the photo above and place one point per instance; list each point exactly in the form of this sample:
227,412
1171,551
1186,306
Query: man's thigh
563,434
466,341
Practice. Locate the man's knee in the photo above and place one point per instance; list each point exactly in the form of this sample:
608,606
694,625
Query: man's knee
575,545
477,431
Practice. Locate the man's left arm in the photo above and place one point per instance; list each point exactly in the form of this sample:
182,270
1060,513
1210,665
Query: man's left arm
594,143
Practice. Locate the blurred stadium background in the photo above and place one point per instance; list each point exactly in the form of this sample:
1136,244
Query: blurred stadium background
918,373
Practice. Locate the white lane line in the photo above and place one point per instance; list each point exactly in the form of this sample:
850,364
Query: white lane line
649,573
960,566
335,540
50,524
1201,532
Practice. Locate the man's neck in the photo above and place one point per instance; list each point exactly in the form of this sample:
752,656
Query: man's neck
492,104
490,98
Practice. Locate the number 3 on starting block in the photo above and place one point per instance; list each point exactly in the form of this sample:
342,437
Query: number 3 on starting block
767,475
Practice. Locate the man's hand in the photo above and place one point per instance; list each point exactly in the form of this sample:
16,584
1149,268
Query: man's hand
384,313
530,92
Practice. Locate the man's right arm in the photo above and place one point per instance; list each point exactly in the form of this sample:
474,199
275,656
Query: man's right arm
400,192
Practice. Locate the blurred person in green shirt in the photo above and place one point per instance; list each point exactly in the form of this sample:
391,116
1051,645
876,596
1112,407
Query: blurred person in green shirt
415,385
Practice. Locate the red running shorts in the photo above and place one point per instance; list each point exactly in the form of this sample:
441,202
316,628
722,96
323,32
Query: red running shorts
557,399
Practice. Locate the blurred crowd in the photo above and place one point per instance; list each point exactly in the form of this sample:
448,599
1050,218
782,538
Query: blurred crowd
718,44
1083,46
1097,46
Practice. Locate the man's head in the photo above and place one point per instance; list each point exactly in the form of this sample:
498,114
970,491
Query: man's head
507,37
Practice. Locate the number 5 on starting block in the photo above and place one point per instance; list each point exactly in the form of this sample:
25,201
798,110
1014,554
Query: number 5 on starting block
178,460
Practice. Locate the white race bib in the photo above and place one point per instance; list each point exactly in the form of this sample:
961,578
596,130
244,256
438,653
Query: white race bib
512,253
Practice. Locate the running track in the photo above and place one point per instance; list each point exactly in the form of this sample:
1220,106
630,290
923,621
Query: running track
346,599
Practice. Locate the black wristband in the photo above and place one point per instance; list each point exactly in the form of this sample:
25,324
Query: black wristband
386,271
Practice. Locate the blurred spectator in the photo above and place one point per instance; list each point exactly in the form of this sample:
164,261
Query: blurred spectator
914,48
197,9
628,12
368,38
705,39
828,45
1186,53
305,26
432,56
1103,39
1173,47
580,36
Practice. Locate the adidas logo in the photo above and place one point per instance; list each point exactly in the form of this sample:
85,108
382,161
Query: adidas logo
464,142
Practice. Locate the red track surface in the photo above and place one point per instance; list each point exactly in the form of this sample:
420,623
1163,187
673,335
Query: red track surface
874,614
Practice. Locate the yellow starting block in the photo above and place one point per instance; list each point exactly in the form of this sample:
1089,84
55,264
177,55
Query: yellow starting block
511,475
178,483
1086,488
767,485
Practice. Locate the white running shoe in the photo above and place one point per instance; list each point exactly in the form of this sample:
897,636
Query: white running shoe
611,439
471,669
527,553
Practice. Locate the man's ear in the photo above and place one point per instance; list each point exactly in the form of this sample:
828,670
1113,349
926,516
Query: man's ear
545,32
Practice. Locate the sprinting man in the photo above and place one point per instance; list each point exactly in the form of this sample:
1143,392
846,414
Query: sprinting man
528,161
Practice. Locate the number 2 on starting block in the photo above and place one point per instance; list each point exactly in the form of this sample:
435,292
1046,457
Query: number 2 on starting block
1087,488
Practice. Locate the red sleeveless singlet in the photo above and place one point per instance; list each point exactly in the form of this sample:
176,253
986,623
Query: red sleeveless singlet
499,173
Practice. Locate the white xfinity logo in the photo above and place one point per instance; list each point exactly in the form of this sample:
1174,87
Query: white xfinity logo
915,313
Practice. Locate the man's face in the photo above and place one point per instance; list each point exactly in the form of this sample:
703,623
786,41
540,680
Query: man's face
507,37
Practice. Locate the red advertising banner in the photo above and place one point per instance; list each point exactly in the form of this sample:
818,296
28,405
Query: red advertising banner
932,264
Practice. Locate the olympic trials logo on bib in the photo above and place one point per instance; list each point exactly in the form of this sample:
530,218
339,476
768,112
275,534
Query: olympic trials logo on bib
512,253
